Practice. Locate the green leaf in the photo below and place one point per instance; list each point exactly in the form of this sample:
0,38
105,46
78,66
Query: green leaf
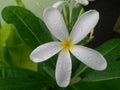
19,56
111,51
103,85
31,29
47,68
21,79
4,33
14,52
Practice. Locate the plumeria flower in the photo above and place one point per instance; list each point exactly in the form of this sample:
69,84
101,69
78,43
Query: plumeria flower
66,44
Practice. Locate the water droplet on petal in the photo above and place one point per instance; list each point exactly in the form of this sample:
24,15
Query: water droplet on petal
60,66
46,46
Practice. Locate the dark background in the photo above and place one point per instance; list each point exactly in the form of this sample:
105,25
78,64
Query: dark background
109,11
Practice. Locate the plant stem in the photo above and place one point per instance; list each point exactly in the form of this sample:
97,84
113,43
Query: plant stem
65,15
91,36
19,3
81,12
70,13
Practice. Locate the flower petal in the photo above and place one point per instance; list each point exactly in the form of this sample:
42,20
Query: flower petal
84,25
45,51
59,4
63,69
55,23
37,6
83,2
90,57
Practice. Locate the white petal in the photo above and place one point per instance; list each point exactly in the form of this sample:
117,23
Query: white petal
84,25
45,51
37,6
55,23
83,2
63,69
58,5
90,57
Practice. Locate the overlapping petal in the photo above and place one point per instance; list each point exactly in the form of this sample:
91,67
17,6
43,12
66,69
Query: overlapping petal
90,57
45,51
83,2
63,69
59,5
55,23
84,25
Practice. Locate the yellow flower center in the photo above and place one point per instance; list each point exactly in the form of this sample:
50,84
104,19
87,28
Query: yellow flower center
67,44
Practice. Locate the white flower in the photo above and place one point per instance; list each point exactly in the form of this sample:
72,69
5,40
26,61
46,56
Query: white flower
66,44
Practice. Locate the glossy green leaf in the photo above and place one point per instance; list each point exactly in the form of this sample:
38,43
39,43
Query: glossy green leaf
111,51
31,29
21,79
103,85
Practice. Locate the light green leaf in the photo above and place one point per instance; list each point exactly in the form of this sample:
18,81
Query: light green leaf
4,33
32,30
19,56
15,53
